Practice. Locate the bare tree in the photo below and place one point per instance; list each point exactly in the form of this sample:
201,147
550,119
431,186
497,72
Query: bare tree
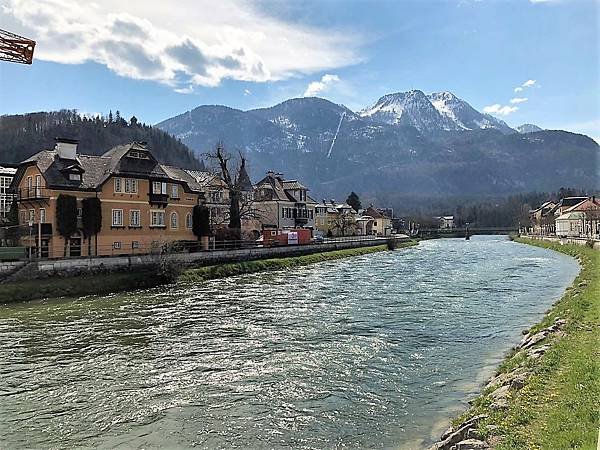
239,187
344,223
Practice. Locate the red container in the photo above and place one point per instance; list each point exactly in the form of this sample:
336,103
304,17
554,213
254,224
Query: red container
298,236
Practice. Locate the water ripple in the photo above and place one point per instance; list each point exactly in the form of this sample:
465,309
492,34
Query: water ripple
369,351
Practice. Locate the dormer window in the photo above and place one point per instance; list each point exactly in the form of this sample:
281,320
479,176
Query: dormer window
138,154
75,176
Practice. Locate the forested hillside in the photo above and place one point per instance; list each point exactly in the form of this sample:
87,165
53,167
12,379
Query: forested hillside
24,135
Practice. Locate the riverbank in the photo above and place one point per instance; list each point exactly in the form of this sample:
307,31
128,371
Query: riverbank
147,276
544,395
226,270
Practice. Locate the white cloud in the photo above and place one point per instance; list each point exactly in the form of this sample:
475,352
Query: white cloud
517,100
525,85
247,92
500,110
193,43
316,87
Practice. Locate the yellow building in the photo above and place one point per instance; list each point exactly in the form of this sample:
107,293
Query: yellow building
144,204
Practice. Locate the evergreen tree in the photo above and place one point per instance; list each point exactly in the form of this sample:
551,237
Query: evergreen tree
354,201
91,219
110,116
66,217
201,221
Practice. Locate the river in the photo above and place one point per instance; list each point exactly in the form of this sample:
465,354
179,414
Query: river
372,351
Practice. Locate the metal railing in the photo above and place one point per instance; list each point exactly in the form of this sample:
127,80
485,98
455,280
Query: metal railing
32,193
79,248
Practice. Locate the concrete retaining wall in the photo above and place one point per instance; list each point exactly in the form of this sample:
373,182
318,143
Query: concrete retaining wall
114,263
7,268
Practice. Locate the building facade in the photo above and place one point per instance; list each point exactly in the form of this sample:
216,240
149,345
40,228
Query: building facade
144,204
335,219
282,204
6,197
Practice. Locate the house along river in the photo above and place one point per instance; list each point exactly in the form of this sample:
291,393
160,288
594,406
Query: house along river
374,351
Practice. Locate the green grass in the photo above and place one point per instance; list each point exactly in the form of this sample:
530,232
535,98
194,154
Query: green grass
75,286
230,269
558,406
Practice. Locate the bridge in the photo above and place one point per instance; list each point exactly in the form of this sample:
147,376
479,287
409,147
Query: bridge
461,232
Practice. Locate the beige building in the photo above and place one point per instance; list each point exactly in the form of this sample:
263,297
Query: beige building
282,204
335,219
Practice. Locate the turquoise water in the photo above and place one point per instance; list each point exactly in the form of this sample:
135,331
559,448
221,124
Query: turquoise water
373,351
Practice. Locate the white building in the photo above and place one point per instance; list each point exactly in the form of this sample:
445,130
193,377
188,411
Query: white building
570,224
6,176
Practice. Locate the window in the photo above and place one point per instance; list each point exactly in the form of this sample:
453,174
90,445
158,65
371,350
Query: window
29,186
42,215
131,185
174,191
135,244
74,177
79,213
157,218
117,217
23,216
134,218
188,220
159,188
32,215
117,245
118,185
174,220
38,185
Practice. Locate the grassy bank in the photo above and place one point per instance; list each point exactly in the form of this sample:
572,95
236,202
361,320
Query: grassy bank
556,407
225,270
76,286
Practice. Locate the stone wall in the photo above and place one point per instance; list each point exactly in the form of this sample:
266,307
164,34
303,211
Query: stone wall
66,267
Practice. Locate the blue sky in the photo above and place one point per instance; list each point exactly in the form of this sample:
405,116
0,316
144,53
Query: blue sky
158,59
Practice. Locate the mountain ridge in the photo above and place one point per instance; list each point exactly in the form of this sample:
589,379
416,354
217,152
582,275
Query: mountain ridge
335,150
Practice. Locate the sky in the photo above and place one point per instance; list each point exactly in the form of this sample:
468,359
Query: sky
524,61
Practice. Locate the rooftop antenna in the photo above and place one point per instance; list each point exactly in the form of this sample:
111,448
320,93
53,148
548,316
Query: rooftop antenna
15,48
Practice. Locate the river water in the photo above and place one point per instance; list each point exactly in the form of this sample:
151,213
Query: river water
373,351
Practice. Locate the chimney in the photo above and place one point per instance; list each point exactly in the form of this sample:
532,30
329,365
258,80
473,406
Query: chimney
66,148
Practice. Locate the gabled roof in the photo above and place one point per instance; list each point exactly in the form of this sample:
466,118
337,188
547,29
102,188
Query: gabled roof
591,203
206,179
96,169
571,216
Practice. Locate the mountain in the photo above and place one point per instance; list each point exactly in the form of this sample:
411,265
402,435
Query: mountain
388,149
408,108
528,128
24,135
463,115
439,111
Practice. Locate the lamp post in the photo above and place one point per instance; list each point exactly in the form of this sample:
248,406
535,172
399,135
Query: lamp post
30,223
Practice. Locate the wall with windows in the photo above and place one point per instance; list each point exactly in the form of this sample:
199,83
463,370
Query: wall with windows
129,222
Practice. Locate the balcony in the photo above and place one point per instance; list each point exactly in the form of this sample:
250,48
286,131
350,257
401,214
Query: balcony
301,221
158,199
32,194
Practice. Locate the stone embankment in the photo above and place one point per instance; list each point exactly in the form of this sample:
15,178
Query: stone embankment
476,433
